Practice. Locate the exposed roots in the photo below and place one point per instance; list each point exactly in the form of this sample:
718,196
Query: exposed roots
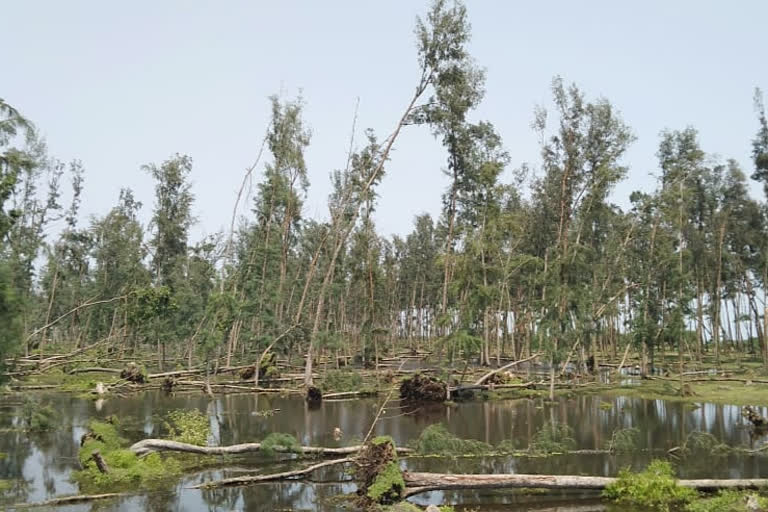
134,373
314,396
754,417
421,388
380,480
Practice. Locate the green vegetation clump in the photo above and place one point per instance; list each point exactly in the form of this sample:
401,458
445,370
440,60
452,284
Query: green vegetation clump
388,485
655,488
125,468
5,485
704,443
623,440
553,438
279,442
436,440
728,501
380,480
507,446
188,426
342,380
38,417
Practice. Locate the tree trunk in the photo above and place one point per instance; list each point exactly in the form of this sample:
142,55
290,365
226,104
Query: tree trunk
417,482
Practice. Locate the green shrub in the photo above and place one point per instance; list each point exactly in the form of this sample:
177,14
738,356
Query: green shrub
623,440
285,442
553,438
655,488
704,443
436,440
188,426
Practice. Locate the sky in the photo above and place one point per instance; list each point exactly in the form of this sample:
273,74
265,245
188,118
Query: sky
122,84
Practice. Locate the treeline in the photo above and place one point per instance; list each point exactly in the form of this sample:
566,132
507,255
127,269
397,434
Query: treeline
504,271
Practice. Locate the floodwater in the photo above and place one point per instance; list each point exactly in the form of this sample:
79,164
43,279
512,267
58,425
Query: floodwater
40,465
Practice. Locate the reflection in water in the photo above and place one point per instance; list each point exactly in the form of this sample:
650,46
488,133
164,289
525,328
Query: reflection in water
40,464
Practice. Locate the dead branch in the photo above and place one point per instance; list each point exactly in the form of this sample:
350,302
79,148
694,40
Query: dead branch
243,480
71,311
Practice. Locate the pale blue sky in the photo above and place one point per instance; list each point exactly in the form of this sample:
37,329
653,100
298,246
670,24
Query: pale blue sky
119,85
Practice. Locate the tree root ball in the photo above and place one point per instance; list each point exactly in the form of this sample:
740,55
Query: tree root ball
168,384
314,396
134,373
421,388
380,480
267,369
754,417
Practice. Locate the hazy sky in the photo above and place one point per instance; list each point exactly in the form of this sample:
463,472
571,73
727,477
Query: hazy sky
121,84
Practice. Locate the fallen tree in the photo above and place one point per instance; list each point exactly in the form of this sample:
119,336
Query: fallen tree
417,482
147,446
503,368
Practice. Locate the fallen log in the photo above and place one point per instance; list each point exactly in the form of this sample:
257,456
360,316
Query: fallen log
162,445
69,500
177,373
94,370
505,367
417,482
351,394
488,387
250,389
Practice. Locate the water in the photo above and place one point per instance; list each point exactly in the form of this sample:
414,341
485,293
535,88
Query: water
41,464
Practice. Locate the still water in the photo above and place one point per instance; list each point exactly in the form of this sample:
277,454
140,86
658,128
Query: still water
40,465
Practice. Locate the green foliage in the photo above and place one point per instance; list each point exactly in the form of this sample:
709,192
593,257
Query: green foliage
278,442
38,417
188,426
553,438
655,488
125,468
704,444
342,380
728,501
623,440
388,485
436,440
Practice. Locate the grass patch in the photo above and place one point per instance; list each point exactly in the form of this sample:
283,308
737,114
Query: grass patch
729,393
77,383
655,488
729,501
188,426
